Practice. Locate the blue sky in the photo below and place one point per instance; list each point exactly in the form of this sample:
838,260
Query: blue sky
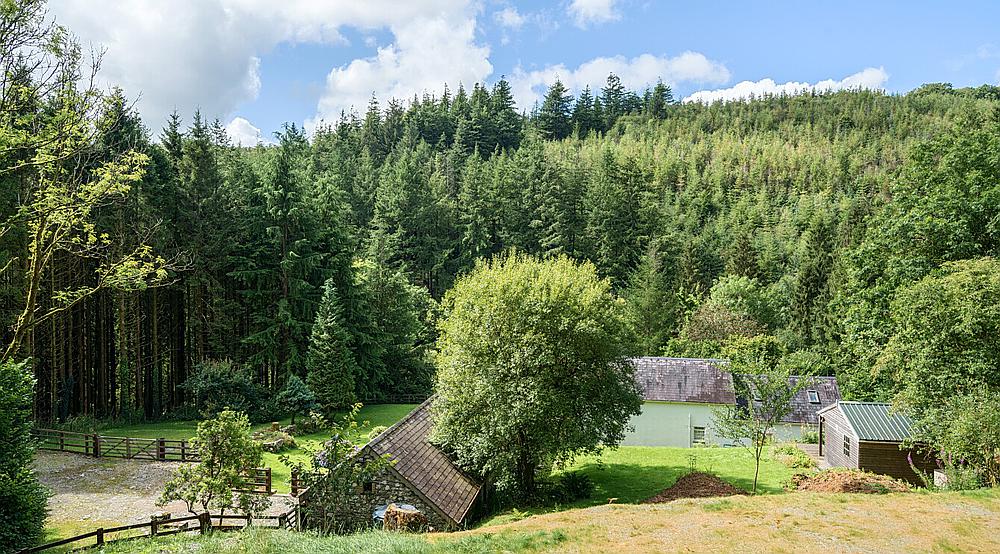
257,63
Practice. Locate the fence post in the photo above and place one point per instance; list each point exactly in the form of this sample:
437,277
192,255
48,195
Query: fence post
204,523
295,482
161,449
282,521
268,473
153,521
100,536
128,448
62,441
183,450
97,445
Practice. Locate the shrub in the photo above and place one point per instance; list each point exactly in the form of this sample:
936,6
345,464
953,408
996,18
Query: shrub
809,436
22,498
575,486
219,384
793,457
312,423
376,431
274,441
296,398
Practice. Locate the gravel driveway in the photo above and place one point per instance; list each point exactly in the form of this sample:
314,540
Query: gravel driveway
89,492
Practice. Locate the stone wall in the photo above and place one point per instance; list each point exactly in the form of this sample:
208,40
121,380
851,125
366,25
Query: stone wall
355,513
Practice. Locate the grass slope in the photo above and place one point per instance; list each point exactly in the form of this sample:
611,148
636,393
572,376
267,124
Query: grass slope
795,522
372,416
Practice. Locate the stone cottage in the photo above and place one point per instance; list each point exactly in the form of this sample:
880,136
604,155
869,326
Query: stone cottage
422,476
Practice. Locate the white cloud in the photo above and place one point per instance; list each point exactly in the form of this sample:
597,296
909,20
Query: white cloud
243,133
586,12
870,78
429,50
509,17
688,67
186,54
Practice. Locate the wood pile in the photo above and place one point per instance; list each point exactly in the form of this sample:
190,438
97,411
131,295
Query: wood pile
401,519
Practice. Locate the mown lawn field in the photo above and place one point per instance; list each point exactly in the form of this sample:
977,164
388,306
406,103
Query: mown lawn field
797,522
369,417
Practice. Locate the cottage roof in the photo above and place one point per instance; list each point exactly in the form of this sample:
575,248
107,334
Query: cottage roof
428,471
819,393
684,380
874,421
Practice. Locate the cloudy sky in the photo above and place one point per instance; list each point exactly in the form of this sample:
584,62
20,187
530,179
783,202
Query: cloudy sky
258,63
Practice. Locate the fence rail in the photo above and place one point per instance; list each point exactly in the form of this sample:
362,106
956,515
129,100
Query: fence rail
129,448
158,527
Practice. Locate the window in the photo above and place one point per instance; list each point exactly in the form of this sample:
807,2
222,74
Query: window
699,435
813,396
847,446
368,486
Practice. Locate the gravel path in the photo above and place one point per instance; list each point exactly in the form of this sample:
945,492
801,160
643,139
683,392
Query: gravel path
110,492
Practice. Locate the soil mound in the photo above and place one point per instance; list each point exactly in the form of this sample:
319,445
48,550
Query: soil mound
848,480
696,485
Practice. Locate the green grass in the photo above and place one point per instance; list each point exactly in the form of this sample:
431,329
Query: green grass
368,417
631,474
285,542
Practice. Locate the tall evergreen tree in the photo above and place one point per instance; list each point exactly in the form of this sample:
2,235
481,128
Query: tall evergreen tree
554,117
331,364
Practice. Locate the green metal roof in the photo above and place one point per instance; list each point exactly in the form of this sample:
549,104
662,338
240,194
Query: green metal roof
873,421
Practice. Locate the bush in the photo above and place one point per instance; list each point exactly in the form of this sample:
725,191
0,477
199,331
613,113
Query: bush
809,436
274,441
376,431
312,423
575,486
22,498
793,457
219,384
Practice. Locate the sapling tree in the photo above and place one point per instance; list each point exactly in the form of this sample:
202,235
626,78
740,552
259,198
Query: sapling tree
296,398
334,475
764,392
221,480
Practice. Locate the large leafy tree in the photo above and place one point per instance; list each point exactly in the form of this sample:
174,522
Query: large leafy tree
532,369
22,498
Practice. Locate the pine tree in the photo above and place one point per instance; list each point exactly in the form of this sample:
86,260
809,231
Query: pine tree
554,120
331,364
613,100
584,117
506,120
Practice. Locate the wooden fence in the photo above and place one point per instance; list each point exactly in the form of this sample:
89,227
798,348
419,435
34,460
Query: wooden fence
158,527
129,448
398,399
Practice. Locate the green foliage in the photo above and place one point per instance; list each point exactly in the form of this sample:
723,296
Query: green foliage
792,456
764,395
532,369
220,480
376,431
331,363
334,474
216,385
296,398
965,432
22,498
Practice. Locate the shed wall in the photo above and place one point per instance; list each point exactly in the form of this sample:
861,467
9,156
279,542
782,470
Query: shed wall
887,459
835,428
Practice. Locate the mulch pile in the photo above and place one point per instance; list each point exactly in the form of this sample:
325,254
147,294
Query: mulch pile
848,480
696,485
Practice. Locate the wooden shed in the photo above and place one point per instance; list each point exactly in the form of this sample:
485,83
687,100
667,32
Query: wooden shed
868,436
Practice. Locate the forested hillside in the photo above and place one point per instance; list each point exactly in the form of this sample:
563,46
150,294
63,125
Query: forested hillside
799,217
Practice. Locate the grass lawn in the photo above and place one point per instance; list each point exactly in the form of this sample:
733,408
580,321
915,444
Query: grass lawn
631,474
369,416
796,522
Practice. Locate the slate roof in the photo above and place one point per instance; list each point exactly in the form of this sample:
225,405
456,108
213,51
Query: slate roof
802,410
428,471
875,421
684,380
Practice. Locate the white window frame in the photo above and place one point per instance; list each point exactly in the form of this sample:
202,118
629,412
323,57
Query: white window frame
694,435
847,446
813,394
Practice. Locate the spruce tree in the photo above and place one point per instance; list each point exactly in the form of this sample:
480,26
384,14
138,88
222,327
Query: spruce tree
554,120
331,364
